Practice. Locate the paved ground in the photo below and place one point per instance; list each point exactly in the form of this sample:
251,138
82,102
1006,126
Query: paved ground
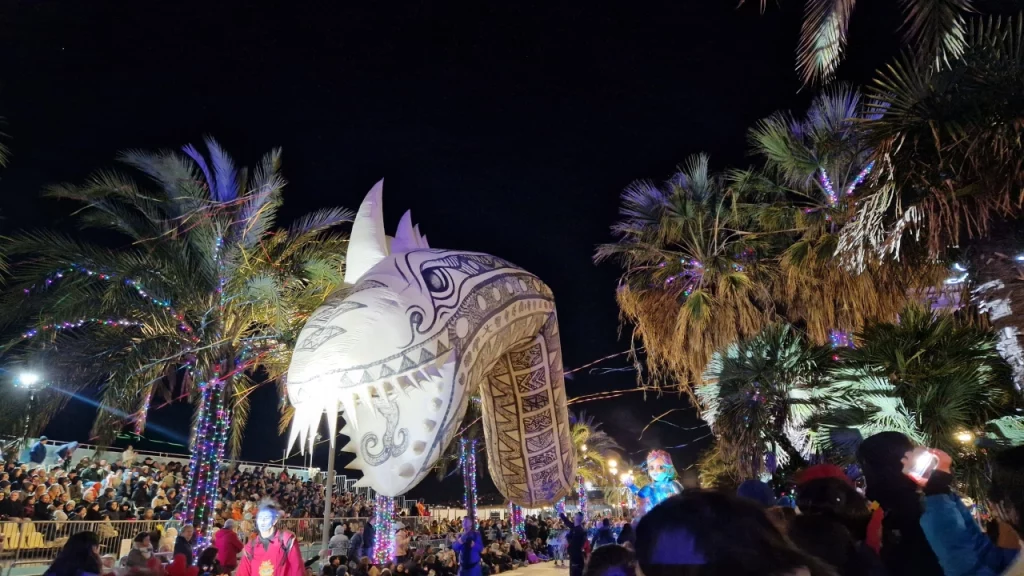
543,569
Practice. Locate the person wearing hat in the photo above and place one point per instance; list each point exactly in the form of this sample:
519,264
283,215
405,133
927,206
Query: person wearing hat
228,546
904,547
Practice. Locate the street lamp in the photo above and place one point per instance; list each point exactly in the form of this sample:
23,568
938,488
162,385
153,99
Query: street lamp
964,436
612,464
30,381
27,379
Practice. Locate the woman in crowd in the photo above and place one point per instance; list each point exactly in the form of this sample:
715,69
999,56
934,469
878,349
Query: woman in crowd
80,556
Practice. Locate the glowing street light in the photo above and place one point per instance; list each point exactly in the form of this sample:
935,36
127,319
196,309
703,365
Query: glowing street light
612,464
625,477
28,380
965,437
588,485
583,447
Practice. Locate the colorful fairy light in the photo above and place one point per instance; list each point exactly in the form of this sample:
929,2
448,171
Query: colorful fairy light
208,444
840,339
560,506
860,178
142,413
130,282
71,325
516,519
467,463
384,530
830,192
582,493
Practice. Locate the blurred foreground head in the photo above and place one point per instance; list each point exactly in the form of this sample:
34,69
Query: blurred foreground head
709,533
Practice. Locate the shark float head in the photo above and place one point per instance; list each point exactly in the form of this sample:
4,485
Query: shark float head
415,331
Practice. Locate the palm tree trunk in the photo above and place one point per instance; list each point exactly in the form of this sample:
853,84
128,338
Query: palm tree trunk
208,442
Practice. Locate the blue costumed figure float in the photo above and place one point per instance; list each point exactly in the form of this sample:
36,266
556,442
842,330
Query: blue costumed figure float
663,481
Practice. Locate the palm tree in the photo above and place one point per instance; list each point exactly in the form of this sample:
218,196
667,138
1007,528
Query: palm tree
935,28
816,169
949,142
692,277
759,396
933,377
592,446
205,293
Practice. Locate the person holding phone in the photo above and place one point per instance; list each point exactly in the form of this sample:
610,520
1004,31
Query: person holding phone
958,542
904,547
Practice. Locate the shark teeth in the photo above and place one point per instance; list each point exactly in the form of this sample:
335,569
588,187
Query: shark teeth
358,401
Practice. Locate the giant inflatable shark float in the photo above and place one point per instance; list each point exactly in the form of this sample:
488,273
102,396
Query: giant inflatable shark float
412,334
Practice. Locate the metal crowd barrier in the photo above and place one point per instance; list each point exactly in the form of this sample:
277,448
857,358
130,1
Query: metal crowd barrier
36,544
29,543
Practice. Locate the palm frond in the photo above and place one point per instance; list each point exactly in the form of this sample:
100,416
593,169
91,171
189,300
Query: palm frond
822,38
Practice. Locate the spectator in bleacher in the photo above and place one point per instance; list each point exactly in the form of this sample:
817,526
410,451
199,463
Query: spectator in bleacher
183,544
37,454
140,496
80,556
43,508
140,553
228,546
128,456
339,542
65,453
75,489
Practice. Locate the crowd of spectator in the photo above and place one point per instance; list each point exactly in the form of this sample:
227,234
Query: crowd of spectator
141,488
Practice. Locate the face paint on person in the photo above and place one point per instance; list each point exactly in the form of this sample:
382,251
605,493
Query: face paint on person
265,521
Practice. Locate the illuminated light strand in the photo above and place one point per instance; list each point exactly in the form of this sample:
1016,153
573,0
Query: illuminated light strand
467,463
384,530
840,339
830,192
211,437
860,178
134,284
71,325
581,490
143,413
515,514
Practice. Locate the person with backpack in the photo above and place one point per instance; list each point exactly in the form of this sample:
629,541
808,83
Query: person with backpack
271,552
604,535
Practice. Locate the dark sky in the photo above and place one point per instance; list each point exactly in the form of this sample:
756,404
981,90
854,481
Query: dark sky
507,127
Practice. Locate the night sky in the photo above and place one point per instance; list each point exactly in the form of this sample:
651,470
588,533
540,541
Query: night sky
507,127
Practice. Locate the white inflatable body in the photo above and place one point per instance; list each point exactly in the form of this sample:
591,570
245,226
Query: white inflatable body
414,332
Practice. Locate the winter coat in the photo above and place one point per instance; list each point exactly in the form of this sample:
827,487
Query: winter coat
961,547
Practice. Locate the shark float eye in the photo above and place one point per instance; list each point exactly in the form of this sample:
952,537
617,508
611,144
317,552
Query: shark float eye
438,280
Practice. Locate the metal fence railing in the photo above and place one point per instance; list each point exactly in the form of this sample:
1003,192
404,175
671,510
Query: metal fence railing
35,544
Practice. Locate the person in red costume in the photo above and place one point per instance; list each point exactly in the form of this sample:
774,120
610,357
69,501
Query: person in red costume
272,552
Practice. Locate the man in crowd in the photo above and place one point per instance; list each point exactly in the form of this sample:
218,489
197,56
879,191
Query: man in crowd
469,546
37,454
577,538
